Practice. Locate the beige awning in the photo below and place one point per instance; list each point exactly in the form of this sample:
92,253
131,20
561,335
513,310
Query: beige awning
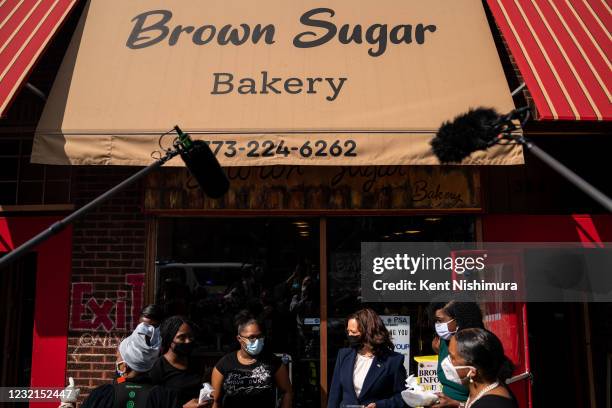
272,82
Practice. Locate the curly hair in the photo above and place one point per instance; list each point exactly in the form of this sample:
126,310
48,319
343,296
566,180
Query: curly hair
373,331
467,314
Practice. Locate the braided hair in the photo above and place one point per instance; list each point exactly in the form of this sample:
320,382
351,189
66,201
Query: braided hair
170,327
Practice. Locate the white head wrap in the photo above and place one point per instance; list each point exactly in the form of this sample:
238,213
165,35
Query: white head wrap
138,353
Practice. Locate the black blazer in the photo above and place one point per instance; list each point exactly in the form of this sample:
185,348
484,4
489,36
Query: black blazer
383,384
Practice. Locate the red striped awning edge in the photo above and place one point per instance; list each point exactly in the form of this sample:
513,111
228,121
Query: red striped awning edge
26,28
562,49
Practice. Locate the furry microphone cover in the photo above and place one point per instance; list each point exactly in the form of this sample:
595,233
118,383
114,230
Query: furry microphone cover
471,131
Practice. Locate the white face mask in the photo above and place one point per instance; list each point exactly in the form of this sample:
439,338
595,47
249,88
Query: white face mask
450,371
443,331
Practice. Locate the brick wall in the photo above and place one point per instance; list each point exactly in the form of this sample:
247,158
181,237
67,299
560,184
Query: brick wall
107,275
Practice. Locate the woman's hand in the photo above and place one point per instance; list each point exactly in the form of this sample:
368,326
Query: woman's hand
194,404
435,344
371,405
445,402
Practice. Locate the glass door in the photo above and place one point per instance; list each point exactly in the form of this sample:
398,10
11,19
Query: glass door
344,238
211,269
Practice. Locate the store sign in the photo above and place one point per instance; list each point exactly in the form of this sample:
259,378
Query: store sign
321,188
399,329
272,82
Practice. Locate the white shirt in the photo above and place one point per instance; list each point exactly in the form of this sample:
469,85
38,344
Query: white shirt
362,366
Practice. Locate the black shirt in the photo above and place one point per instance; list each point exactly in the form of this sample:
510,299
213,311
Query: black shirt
159,397
248,385
495,401
187,383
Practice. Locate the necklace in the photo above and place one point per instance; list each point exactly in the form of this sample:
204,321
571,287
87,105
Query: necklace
488,388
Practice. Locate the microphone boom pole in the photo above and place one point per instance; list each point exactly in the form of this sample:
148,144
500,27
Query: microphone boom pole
563,170
523,114
183,144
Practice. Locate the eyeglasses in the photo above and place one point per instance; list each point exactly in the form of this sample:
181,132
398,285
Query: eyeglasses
253,338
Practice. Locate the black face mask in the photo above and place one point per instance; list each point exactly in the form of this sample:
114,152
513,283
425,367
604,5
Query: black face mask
354,341
184,349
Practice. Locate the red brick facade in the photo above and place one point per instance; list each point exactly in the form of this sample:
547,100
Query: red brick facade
107,275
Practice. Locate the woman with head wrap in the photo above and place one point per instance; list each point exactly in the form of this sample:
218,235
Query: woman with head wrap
174,369
135,356
448,318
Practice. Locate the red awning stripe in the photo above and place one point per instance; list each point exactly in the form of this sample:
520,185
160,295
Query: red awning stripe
572,63
586,43
20,29
8,7
26,27
562,49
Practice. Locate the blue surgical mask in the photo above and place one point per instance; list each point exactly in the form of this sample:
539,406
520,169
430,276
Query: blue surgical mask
254,347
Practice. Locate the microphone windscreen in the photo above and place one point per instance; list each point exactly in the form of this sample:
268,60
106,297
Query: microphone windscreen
467,133
205,168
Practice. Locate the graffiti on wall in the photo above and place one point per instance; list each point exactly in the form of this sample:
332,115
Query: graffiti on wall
96,340
89,313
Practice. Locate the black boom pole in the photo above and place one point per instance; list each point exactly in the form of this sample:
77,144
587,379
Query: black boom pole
60,225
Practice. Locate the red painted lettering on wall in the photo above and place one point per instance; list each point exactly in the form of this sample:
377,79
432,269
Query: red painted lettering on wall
105,314
136,281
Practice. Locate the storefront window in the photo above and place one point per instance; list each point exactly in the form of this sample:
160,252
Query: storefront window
344,237
210,269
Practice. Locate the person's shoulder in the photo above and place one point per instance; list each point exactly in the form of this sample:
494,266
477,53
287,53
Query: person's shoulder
345,352
228,359
156,373
231,356
160,363
162,397
273,358
103,390
495,401
394,357
101,397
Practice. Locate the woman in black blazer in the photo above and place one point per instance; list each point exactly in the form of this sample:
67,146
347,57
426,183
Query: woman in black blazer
369,373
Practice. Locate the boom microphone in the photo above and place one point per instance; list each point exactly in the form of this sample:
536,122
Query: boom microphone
478,129
203,165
